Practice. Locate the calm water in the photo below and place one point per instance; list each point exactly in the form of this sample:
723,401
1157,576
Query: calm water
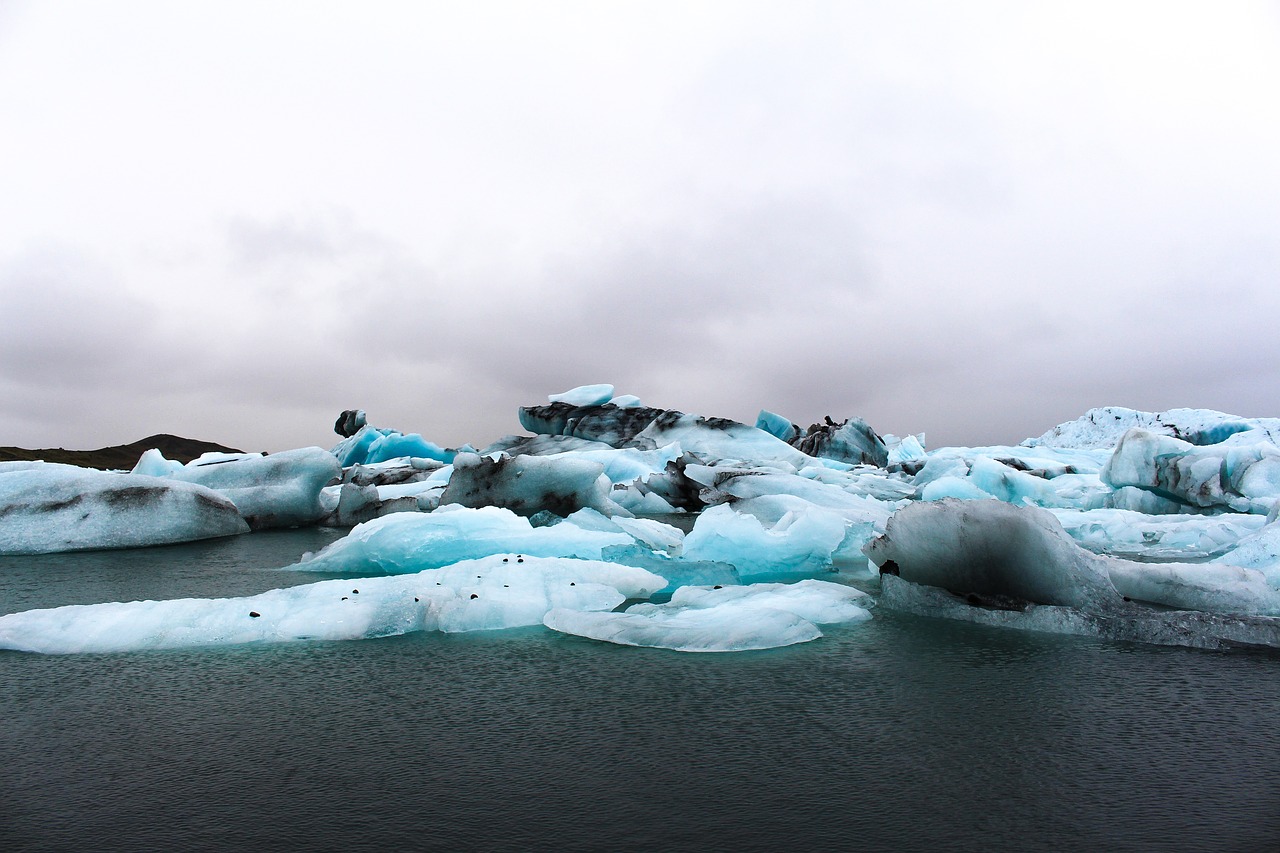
898,734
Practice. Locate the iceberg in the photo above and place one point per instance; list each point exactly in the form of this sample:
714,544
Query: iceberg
800,543
279,490
584,395
1135,535
647,429
405,543
1244,477
1103,428
476,595
47,508
371,445
722,619
530,484
996,555
1192,629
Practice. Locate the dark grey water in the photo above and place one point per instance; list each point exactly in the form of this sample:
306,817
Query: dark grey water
898,734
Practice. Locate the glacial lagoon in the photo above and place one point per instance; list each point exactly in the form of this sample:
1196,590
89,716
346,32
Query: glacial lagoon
897,733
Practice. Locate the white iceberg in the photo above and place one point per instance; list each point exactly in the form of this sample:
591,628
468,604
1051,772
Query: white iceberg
722,619
404,543
497,592
47,508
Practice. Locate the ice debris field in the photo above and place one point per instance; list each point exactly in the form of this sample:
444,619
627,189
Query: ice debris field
626,524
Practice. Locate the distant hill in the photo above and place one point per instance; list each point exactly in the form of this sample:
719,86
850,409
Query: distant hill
121,456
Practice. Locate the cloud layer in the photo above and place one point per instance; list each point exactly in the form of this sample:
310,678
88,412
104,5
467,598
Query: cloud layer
974,223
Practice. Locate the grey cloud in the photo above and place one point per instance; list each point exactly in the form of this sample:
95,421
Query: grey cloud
70,322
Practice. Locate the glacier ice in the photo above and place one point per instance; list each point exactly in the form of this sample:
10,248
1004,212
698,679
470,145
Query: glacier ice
990,548
371,445
777,426
1103,428
1099,523
1194,629
584,395
530,484
796,545
1242,476
647,429
278,490
48,507
410,542
996,554
722,619
1125,533
475,595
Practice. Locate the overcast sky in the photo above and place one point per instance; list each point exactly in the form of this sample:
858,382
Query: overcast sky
231,221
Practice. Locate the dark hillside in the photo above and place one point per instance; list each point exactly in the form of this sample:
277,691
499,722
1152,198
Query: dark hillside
123,456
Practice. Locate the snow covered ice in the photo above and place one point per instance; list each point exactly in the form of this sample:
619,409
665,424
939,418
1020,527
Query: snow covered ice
1154,527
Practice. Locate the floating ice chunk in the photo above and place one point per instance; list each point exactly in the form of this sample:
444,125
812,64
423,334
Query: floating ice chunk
679,571
908,449
799,544
410,542
721,630
477,595
626,465
718,438
1259,550
625,401
48,508
153,464
1130,623
743,484
530,484
584,395
279,490
653,534
996,553
701,619
637,499
959,488
1125,533
395,445
1103,428
1045,462
370,445
852,441
777,425
820,602
1147,502
992,548
1244,477
1211,587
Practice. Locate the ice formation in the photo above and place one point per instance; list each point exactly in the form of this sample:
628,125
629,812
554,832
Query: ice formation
722,619
530,484
488,594
46,508
1102,429
993,554
410,542
1099,526
1238,472
279,490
